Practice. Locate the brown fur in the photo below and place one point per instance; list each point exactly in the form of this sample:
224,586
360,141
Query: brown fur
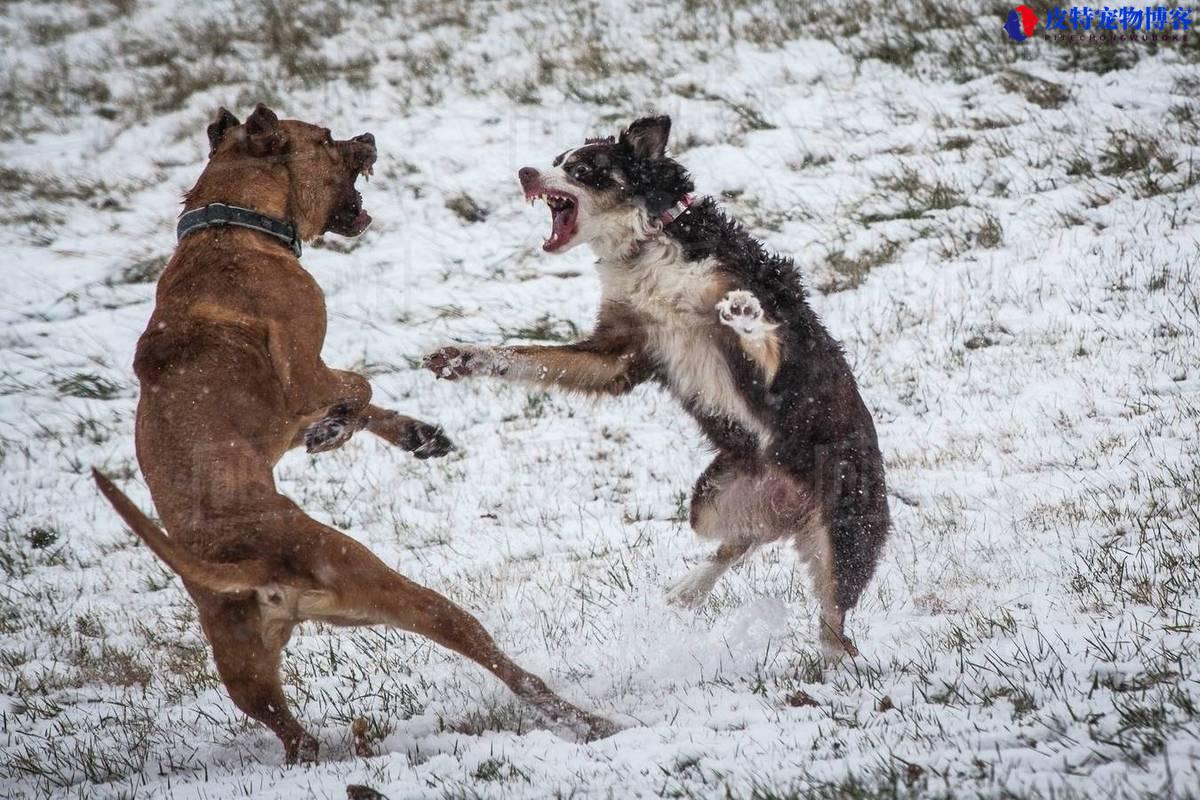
232,377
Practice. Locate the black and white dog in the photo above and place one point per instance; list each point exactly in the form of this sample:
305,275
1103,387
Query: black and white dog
693,302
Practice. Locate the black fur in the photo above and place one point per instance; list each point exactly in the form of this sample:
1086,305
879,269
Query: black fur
614,163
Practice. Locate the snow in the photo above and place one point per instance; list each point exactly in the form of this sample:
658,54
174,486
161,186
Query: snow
1032,624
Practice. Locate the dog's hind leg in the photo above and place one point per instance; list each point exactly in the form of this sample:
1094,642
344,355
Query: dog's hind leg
694,587
713,518
362,590
247,654
844,543
815,546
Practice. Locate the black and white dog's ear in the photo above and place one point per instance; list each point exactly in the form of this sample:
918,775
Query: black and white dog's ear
647,137
219,127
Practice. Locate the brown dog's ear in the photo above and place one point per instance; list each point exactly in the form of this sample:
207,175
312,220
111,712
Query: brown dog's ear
647,137
219,127
264,137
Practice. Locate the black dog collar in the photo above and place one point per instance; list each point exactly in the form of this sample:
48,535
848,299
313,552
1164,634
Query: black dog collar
218,215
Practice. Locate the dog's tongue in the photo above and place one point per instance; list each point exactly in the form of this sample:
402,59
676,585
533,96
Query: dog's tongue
562,228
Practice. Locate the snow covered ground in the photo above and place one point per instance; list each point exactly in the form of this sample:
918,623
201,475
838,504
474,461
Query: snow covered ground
1004,237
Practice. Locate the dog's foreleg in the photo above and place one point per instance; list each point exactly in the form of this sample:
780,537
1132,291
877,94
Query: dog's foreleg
309,386
419,438
580,367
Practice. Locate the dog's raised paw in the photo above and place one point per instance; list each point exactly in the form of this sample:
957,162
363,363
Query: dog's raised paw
427,441
450,363
741,311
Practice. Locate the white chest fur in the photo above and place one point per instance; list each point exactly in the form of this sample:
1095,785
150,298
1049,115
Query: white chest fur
675,297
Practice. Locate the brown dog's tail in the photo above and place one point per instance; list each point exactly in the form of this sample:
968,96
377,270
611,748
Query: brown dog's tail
244,576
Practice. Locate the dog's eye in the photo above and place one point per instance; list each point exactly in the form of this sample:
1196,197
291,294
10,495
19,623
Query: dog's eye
580,170
328,137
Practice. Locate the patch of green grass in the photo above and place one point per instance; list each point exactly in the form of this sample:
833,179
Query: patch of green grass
498,769
466,209
1127,152
848,272
990,233
40,537
919,196
88,385
957,143
545,329
1040,92
143,270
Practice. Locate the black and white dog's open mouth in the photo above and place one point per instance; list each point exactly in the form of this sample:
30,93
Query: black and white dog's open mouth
563,216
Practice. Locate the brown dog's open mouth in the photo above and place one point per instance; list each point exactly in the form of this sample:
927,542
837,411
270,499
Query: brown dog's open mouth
350,219
563,216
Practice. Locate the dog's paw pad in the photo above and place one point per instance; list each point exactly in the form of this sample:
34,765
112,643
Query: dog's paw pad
741,311
451,363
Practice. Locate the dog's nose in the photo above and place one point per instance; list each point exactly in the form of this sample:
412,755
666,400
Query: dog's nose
527,175
366,138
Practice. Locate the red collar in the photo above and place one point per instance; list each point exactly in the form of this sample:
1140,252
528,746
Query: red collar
664,219
676,211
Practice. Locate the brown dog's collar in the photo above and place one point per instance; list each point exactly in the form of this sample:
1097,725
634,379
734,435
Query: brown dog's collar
219,215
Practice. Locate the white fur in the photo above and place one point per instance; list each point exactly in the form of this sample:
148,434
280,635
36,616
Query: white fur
694,587
660,284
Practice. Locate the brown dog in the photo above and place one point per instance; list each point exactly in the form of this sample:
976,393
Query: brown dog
231,377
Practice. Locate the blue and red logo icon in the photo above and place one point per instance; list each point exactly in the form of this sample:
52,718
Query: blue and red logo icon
1020,24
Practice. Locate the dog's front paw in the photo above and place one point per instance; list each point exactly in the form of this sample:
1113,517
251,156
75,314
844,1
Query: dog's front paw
331,431
452,363
427,441
741,311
